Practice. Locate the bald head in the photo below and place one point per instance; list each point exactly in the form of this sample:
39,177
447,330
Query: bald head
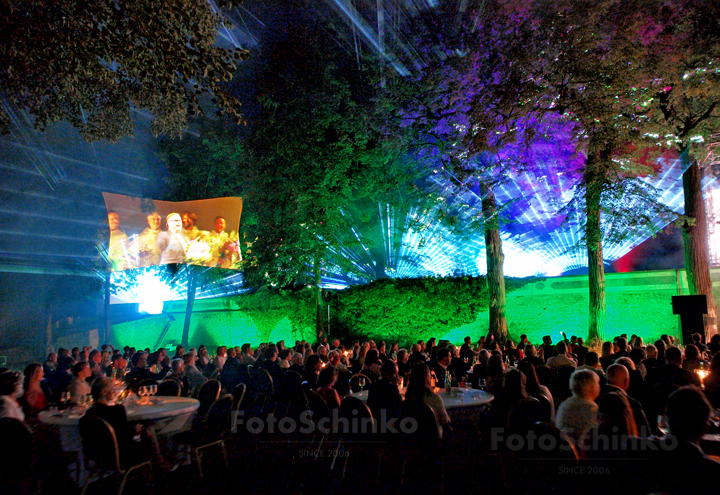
619,376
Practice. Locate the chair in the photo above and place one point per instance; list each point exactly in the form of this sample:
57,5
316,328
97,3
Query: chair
212,432
207,395
102,454
420,448
317,405
238,394
169,388
355,382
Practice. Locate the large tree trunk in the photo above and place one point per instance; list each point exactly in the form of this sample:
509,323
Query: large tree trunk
596,270
695,238
319,324
494,258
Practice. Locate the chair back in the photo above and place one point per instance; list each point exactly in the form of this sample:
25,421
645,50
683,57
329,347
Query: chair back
317,405
354,409
238,394
260,381
355,382
217,419
169,388
100,443
426,432
207,395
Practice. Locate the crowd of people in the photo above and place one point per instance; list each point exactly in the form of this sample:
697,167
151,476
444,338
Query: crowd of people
637,395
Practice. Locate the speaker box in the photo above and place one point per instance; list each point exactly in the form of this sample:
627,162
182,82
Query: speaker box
691,310
689,304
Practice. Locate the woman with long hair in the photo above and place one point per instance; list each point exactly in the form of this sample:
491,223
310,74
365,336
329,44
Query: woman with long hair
34,399
534,388
326,383
419,389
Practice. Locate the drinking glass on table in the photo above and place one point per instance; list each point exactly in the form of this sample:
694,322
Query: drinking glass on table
65,399
361,382
662,424
482,383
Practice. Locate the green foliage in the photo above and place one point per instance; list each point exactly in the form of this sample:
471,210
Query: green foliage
89,62
405,310
268,307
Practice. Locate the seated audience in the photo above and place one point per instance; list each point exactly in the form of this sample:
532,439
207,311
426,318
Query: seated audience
577,414
563,357
536,390
680,465
419,389
618,382
79,386
34,398
384,395
326,381
10,388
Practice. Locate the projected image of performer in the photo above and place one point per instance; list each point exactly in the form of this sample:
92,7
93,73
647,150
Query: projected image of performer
118,242
147,238
170,246
190,231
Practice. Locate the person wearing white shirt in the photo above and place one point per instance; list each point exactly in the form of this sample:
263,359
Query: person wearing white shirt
10,388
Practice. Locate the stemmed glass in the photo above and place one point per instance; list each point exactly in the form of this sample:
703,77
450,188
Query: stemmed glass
143,391
65,399
482,383
361,382
662,424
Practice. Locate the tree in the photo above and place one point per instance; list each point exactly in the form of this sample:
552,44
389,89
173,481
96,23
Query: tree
89,63
472,114
682,40
313,150
582,63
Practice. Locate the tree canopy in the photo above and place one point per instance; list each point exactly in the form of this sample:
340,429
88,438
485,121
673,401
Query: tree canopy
90,63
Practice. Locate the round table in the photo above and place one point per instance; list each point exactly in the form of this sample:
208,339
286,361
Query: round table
170,415
459,397
165,408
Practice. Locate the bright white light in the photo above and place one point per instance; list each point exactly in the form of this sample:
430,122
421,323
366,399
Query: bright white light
152,293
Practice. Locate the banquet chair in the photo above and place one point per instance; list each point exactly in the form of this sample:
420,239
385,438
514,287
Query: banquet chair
363,450
355,382
169,388
213,431
102,454
420,449
238,394
207,395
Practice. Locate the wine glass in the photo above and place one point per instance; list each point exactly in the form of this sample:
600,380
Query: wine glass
154,388
362,383
482,383
662,424
65,399
142,391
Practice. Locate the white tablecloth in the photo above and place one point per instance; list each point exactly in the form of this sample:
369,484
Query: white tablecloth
459,397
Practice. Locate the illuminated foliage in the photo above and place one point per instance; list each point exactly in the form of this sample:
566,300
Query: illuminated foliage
89,63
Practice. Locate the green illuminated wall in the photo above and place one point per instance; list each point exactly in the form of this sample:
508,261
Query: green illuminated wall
411,309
